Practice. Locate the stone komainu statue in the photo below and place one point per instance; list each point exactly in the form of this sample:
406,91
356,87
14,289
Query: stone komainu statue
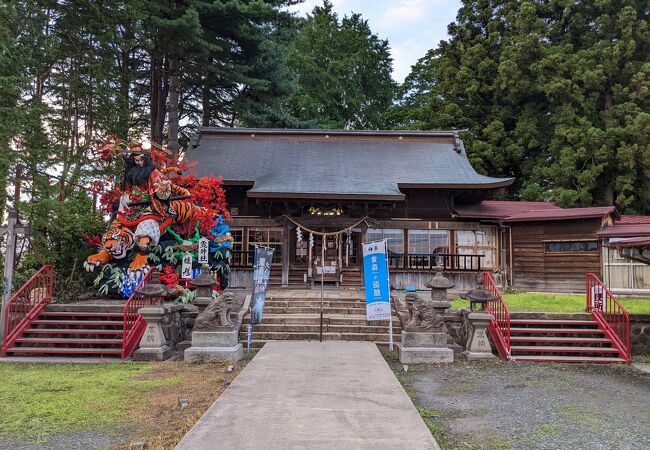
217,315
418,314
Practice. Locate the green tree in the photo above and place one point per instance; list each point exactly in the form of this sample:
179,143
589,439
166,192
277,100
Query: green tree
343,72
553,93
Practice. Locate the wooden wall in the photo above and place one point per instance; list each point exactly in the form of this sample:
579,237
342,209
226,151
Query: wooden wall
535,269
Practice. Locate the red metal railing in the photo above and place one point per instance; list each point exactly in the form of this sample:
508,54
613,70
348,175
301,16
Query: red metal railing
499,328
610,315
26,304
134,324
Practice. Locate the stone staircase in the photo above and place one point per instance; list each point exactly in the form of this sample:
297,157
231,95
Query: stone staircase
295,315
74,330
553,337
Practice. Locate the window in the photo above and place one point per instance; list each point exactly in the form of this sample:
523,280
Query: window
424,245
238,258
623,273
571,246
395,243
265,237
479,242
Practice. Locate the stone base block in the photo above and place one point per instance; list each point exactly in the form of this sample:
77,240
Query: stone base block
478,356
424,339
183,345
233,354
215,338
424,355
152,354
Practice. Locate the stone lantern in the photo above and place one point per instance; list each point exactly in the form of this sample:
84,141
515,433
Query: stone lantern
153,345
479,298
204,283
478,346
439,285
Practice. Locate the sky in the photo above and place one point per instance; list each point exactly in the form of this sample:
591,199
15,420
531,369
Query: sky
411,26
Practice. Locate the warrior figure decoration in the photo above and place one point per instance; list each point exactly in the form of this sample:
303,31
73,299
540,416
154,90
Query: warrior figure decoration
158,214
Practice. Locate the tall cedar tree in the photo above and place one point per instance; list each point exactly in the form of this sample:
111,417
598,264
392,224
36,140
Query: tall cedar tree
343,72
552,92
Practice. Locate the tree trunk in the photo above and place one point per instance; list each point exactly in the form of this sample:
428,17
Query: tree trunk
205,120
174,90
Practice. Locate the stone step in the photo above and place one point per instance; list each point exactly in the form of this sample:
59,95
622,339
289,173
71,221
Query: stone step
259,343
570,359
107,306
314,303
338,319
329,336
556,331
561,349
316,327
552,322
312,309
560,339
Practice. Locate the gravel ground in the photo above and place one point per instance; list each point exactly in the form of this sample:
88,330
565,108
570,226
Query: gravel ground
64,441
502,405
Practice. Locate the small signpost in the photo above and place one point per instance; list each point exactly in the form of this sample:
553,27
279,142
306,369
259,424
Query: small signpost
377,284
204,248
186,266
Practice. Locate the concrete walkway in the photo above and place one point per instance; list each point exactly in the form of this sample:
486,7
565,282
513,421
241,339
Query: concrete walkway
312,395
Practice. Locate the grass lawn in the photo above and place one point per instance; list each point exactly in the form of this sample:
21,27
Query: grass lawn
557,303
127,401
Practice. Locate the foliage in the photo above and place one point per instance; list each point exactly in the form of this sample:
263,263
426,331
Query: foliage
343,72
553,93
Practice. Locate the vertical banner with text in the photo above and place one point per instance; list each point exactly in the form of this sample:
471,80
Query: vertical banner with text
375,275
261,272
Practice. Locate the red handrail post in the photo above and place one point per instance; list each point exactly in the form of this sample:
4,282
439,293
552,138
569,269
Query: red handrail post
26,304
610,315
499,328
134,324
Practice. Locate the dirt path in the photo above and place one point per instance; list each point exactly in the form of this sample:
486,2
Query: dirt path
500,405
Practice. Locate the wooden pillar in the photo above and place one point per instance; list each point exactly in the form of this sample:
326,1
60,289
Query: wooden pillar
364,239
286,231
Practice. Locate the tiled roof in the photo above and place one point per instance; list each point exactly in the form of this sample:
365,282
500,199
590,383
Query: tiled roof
634,220
562,214
499,209
513,211
335,163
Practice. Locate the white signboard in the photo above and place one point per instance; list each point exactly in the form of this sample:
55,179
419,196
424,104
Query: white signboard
204,248
326,269
186,267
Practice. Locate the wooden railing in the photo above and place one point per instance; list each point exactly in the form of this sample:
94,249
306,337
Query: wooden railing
134,324
26,304
499,328
430,261
610,315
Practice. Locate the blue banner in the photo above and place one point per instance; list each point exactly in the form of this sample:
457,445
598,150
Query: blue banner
375,275
261,273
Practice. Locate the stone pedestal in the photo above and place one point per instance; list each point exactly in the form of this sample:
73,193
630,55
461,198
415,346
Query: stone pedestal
478,345
220,345
153,345
201,303
424,348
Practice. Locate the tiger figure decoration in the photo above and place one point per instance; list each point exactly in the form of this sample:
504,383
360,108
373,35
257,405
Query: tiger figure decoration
117,241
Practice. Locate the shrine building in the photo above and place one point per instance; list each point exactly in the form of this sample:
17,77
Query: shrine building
316,195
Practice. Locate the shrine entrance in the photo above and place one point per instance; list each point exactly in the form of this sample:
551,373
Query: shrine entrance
328,250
